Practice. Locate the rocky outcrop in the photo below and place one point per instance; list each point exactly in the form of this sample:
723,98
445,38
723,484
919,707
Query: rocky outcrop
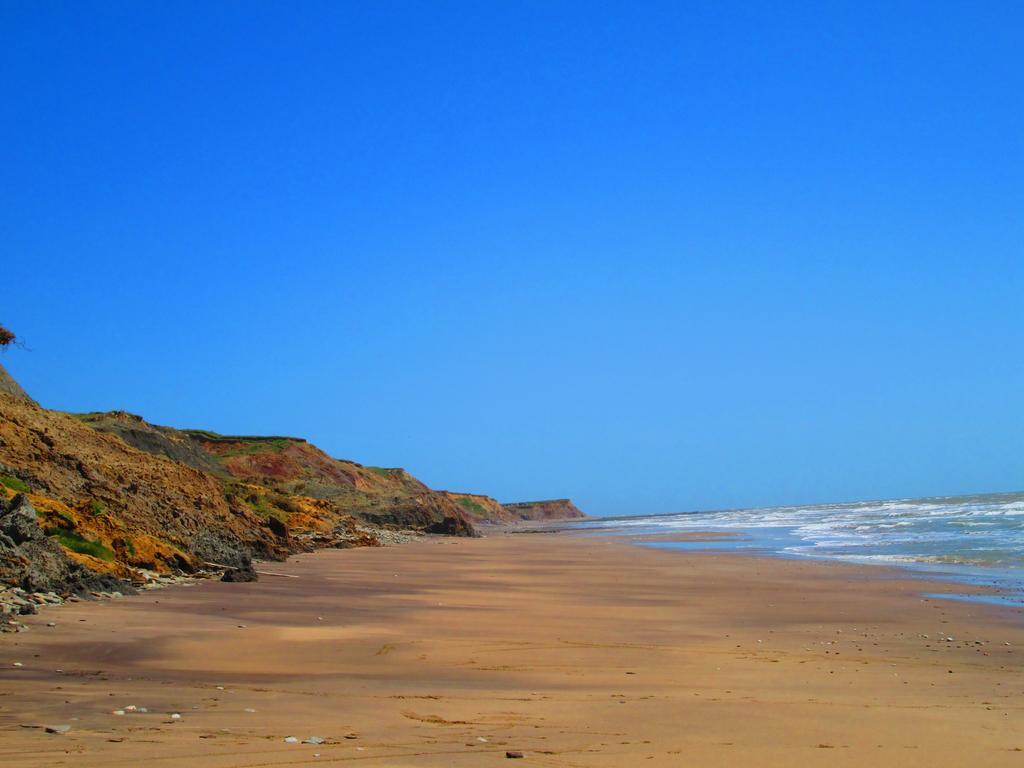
37,563
19,523
550,509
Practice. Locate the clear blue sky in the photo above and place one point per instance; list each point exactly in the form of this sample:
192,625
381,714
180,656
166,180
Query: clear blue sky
653,256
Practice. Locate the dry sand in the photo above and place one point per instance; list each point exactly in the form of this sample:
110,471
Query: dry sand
577,651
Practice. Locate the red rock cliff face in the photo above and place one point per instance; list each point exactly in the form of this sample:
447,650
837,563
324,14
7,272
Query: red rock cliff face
485,510
550,509
480,508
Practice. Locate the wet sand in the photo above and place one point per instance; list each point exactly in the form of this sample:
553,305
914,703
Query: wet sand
574,650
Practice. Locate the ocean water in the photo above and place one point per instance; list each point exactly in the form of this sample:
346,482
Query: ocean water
976,539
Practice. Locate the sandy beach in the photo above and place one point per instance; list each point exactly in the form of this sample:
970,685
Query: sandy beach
574,650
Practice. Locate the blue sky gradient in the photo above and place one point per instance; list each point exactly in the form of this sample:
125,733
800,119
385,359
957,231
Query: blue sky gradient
653,256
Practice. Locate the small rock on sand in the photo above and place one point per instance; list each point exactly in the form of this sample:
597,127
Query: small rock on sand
58,728
514,755
313,740
291,740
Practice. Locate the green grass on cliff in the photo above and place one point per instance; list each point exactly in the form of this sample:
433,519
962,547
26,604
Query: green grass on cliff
272,445
473,507
16,485
216,437
85,417
82,546
265,507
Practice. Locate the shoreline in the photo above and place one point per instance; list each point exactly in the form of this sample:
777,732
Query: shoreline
968,581
575,650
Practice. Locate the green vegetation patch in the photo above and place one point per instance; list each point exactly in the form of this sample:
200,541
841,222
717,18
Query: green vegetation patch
216,437
96,508
262,507
472,506
82,546
88,418
382,471
16,485
248,448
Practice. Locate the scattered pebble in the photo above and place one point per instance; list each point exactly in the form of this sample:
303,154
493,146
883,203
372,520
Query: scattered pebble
58,728
313,740
291,740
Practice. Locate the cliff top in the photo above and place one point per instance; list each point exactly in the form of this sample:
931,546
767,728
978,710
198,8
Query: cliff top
9,386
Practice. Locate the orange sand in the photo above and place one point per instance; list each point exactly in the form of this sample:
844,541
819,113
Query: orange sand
577,651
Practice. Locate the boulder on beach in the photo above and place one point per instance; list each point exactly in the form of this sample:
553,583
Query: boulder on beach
238,575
